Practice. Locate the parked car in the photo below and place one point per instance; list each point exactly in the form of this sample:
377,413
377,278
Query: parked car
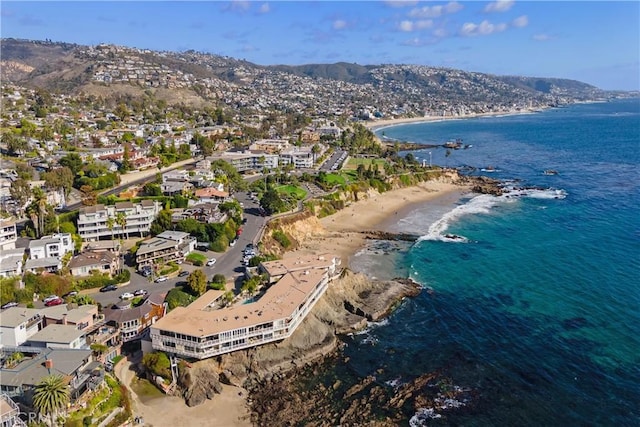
108,288
10,304
183,273
52,302
50,298
140,293
161,279
233,242
126,295
145,272
70,294
211,262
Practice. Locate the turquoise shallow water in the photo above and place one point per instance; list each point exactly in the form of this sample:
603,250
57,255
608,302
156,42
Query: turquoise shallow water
537,306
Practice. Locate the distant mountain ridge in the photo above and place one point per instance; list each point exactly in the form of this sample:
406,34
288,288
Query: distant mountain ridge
195,78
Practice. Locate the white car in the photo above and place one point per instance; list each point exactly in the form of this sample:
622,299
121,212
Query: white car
126,295
161,279
211,262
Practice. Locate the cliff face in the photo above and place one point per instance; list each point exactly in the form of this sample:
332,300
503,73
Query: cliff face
347,305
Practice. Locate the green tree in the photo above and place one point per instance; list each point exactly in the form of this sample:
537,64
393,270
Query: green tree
162,222
197,282
60,178
73,161
51,395
20,192
111,222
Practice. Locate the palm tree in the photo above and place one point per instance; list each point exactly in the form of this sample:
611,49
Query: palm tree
110,223
51,395
121,220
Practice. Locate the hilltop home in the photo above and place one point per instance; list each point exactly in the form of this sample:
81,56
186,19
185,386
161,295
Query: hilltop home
134,322
75,366
18,324
8,234
54,246
92,220
10,413
204,330
59,336
83,264
166,247
11,262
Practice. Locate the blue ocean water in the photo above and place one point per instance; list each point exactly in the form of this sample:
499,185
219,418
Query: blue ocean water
537,306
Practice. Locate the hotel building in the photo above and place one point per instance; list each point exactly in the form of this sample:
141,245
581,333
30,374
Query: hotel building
204,329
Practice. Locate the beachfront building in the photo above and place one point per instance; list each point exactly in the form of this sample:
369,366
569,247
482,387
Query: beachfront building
93,221
8,234
276,270
165,247
205,329
271,146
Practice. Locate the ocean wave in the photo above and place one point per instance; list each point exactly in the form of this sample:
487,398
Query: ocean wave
483,204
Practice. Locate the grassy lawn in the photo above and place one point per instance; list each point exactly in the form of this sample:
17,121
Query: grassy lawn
145,390
292,190
193,257
335,179
354,162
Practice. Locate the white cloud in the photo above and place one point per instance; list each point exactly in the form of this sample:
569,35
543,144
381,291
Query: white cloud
499,6
484,28
542,37
417,42
520,22
400,3
440,32
421,24
435,11
339,24
265,8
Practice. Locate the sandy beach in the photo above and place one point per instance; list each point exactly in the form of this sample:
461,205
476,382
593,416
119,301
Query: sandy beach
228,409
383,123
343,235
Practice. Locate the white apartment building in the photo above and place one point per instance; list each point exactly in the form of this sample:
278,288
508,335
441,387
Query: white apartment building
249,160
54,246
92,220
300,157
8,234
204,330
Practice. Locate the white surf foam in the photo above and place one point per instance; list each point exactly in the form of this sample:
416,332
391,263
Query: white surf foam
483,204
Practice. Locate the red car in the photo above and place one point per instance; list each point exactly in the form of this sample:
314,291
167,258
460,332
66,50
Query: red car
55,301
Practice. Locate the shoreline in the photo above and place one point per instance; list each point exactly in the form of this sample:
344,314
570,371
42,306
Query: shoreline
387,123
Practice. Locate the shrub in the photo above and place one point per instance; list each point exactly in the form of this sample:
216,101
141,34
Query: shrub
157,363
178,298
282,238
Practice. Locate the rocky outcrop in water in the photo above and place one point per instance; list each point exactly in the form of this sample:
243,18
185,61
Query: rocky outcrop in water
305,399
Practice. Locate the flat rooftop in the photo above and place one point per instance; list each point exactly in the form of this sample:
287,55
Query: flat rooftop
278,302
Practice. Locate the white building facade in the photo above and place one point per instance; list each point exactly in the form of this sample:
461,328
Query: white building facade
93,220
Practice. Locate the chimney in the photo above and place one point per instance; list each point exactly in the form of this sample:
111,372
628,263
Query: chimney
64,319
48,363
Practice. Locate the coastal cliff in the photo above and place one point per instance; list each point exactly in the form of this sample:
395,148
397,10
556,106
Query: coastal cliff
349,303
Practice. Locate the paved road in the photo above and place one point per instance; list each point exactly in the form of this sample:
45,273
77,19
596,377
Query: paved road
228,263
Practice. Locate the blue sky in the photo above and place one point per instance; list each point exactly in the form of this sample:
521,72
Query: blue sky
594,42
